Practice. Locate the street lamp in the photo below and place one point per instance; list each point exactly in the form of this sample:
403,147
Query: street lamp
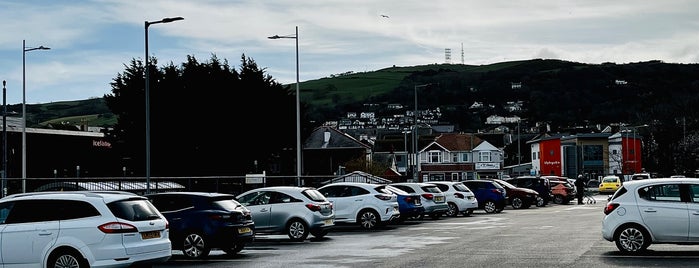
147,93
4,139
24,112
298,105
416,170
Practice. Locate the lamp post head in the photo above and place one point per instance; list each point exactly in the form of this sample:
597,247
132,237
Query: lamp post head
166,20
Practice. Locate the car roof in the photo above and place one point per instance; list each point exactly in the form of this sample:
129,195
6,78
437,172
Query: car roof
207,194
107,196
641,183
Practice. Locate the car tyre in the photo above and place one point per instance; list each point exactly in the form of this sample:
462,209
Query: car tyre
319,233
368,219
297,230
194,246
453,210
517,203
235,249
540,202
490,207
632,239
468,212
558,199
67,258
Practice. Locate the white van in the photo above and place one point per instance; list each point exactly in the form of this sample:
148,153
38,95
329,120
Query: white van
640,176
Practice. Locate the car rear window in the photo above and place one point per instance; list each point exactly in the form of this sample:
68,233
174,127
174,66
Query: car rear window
315,195
461,187
226,204
134,210
391,189
431,189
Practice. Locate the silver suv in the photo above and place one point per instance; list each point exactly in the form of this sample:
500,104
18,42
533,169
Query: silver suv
82,229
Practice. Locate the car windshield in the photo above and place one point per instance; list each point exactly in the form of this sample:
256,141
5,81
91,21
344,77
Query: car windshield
393,190
505,184
461,187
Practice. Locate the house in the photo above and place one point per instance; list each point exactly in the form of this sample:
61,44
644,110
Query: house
457,157
327,149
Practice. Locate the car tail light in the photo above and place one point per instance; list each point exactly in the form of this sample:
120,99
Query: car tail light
219,217
428,196
610,207
459,195
313,207
117,228
383,197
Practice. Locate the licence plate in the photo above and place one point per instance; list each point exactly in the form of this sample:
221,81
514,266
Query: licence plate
244,230
150,235
329,222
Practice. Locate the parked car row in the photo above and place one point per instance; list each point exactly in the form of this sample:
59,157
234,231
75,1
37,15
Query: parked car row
120,229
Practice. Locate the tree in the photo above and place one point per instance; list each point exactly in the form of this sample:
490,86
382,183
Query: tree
206,119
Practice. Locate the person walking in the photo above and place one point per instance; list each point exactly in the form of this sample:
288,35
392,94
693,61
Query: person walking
580,188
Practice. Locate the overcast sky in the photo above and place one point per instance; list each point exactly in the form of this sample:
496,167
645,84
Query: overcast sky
91,41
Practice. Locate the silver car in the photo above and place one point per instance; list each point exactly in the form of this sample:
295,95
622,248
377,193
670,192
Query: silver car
366,204
294,211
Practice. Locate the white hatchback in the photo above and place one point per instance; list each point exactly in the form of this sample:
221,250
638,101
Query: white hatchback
460,199
366,204
81,229
652,211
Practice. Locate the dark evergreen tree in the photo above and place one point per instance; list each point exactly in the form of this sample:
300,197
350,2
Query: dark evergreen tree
206,119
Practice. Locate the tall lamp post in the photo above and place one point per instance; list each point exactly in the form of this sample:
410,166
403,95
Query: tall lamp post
4,139
147,93
25,49
298,105
416,170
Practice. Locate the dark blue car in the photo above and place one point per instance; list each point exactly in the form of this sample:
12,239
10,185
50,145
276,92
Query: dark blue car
490,195
409,204
201,221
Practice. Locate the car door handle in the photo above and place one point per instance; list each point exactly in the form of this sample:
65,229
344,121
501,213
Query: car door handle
650,210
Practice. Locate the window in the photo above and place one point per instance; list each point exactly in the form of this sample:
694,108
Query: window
465,157
435,156
455,177
665,192
483,156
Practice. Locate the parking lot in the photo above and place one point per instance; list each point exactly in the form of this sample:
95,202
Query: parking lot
551,236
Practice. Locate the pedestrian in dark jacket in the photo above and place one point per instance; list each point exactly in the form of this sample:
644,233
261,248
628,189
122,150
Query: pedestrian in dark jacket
580,188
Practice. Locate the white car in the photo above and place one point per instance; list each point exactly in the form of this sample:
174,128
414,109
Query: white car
460,199
366,204
291,210
433,199
645,212
81,229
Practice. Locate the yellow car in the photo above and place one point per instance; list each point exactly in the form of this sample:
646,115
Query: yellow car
609,184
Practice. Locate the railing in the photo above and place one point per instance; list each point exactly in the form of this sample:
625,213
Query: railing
138,185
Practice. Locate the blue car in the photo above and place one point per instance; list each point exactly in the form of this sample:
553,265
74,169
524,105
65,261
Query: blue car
202,221
409,205
490,195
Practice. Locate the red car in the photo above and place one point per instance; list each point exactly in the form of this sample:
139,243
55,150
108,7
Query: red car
518,197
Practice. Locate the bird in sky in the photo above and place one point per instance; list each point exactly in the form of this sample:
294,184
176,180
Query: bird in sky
385,16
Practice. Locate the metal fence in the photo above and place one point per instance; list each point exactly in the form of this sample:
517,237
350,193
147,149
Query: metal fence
142,185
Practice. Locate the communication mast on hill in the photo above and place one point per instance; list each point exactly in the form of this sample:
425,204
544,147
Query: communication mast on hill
447,55
462,53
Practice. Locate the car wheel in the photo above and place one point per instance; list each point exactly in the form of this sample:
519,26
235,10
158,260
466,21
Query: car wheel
194,246
297,230
517,203
468,212
234,250
368,219
632,239
540,202
453,210
319,233
558,199
490,207
67,258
